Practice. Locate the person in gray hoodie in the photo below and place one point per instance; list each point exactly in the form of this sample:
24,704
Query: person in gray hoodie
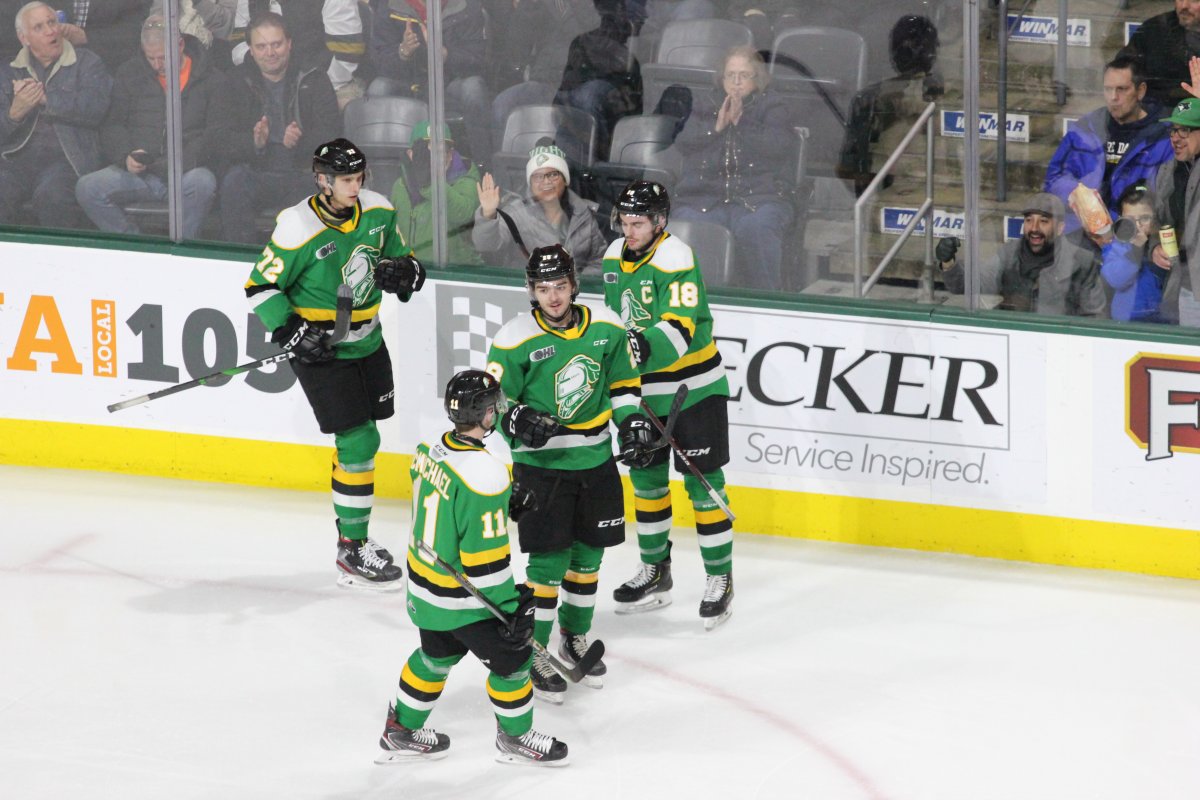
53,97
509,228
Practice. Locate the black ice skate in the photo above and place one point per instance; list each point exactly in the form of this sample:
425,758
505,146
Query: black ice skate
572,648
717,603
531,748
365,565
548,685
646,591
401,744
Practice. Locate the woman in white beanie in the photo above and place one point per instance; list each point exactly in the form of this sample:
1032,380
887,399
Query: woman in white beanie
508,229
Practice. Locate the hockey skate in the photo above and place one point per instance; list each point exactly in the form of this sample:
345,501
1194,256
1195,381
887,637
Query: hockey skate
571,649
717,603
531,748
548,685
366,565
646,591
401,744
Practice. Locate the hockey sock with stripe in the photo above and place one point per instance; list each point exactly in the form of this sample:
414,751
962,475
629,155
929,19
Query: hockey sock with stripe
713,528
421,684
512,700
353,480
579,589
545,574
652,508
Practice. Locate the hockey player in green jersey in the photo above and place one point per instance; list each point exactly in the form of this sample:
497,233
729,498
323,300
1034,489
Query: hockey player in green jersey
568,371
342,234
652,280
461,497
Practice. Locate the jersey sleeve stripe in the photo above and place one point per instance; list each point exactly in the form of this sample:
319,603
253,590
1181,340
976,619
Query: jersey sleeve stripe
484,556
675,336
686,326
623,387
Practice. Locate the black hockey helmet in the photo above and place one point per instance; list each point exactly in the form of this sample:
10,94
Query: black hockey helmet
339,157
645,199
549,264
470,394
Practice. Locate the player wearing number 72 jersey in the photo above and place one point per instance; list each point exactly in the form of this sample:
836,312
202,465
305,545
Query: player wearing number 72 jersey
652,280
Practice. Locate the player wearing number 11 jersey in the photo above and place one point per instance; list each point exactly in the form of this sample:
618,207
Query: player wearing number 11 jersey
652,280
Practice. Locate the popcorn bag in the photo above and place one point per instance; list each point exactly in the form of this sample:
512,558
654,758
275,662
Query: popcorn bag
1091,210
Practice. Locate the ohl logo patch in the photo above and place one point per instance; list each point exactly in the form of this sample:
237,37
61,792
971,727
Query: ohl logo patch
1162,404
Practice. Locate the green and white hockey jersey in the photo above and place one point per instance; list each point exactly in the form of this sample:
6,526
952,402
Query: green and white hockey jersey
300,270
583,375
662,295
460,509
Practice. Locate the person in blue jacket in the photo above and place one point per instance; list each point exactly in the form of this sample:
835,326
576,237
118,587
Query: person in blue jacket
1127,267
1112,148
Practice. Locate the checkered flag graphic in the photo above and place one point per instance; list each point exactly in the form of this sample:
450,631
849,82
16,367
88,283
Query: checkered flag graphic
475,322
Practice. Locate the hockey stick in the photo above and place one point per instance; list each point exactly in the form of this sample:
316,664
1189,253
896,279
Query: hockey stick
687,462
574,674
672,416
341,327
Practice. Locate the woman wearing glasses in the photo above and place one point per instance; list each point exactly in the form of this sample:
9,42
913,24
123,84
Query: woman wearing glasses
509,228
737,144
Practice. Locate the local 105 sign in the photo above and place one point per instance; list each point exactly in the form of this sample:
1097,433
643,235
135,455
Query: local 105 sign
894,219
1016,125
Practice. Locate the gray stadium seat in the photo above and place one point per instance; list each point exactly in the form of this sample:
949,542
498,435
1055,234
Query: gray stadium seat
641,150
572,129
689,54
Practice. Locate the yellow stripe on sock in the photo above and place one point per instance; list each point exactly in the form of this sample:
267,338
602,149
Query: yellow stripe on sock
429,687
652,504
513,696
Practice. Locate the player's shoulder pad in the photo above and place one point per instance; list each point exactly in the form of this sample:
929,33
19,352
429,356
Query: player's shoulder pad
481,471
603,315
368,200
516,331
673,255
296,225
614,249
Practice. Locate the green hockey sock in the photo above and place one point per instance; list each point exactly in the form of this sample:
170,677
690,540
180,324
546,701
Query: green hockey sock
579,589
353,480
714,530
652,508
421,684
545,573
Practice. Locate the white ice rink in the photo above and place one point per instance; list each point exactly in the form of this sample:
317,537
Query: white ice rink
167,640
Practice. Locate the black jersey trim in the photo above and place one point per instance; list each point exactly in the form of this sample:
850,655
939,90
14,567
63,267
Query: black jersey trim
680,374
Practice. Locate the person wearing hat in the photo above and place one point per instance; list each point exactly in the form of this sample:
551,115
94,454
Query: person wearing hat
411,195
1042,271
509,228
1177,206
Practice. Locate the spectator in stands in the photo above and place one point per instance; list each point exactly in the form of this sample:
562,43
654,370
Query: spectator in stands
325,33
512,227
1112,148
207,21
109,29
736,145
602,76
1165,42
1127,264
1177,205
881,114
539,36
290,109
399,38
53,97
1042,271
411,198
133,136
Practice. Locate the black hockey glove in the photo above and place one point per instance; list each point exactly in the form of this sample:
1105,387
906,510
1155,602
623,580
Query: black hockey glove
531,427
637,440
305,341
638,346
401,276
521,501
517,632
946,250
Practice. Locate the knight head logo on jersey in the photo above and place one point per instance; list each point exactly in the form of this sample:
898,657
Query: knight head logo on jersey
633,312
1162,401
359,272
574,384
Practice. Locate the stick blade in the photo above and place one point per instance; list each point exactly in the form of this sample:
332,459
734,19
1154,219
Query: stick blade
590,658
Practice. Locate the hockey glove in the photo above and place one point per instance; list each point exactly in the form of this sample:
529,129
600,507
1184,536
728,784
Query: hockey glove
531,427
305,341
638,346
401,276
517,632
637,441
521,500
946,250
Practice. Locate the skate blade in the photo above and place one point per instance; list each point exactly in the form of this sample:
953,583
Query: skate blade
712,622
408,757
648,603
593,681
345,581
521,761
554,698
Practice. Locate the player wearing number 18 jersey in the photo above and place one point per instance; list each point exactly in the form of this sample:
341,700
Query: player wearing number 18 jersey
652,280
343,234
